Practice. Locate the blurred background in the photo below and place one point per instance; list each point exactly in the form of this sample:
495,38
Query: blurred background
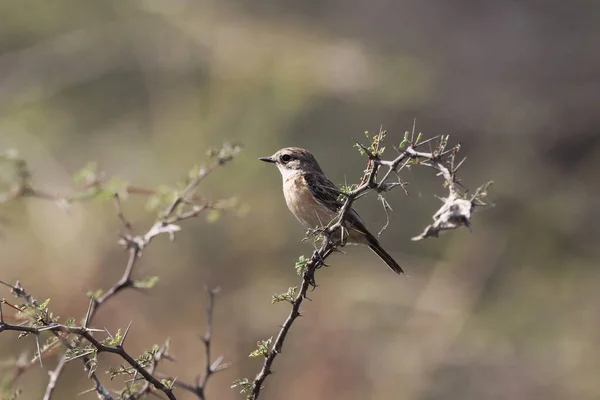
144,88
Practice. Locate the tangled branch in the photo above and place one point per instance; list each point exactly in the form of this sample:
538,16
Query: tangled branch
185,205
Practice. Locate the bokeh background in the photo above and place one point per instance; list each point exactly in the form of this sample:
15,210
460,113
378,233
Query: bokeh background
144,88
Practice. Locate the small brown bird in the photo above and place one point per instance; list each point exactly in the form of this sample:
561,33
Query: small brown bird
313,198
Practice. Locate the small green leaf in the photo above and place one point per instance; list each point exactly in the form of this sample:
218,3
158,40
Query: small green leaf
146,283
8,394
213,216
104,194
419,136
167,345
349,188
263,348
287,296
86,175
244,384
301,265
153,203
95,294
226,153
118,337
44,305
360,149
405,141
163,195
117,186
120,370
93,362
194,172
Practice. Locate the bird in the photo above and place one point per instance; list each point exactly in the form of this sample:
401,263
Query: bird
314,199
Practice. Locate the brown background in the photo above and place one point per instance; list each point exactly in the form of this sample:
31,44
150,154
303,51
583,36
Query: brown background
510,311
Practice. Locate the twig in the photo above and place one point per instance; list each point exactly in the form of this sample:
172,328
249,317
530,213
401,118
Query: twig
86,333
120,214
210,367
160,354
54,375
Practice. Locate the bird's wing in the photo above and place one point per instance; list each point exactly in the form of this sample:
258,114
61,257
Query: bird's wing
324,191
327,193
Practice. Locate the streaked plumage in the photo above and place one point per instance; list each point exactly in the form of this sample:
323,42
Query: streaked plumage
313,198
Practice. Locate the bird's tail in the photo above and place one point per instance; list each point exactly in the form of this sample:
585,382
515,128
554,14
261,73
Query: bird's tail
385,257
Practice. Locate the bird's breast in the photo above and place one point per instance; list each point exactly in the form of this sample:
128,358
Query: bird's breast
303,205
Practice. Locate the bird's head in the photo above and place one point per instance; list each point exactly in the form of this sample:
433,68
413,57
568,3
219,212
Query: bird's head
293,160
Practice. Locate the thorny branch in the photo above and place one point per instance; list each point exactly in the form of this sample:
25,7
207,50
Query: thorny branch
308,279
44,320
210,367
175,212
160,355
455,211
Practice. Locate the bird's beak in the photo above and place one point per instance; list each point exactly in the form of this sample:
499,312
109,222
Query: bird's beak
268,159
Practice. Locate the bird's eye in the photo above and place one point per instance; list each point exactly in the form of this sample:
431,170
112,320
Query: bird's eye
286,158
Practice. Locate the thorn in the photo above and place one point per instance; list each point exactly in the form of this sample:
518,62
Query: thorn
366,150
37,342
428,140
223,366
467,223
81,355
216,363
86,392
125,333
460,164
403,165
172,384
336,250
88,314
47,328
108,333
132,380
443,153
306,297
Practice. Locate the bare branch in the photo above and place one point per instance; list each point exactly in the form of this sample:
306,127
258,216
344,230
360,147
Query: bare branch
54,375
210,367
